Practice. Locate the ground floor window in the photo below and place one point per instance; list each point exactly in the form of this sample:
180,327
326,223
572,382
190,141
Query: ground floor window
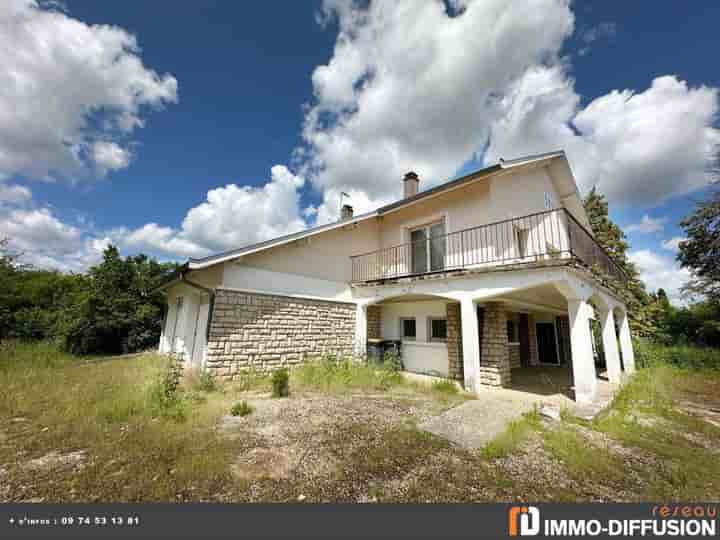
408,328
437,329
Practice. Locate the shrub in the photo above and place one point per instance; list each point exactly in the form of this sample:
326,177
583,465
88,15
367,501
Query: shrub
164,394
281,383
242,408
650,354
206,382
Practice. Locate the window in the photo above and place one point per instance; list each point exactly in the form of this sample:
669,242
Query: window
437,330
512,330
548,201
428,248
408,329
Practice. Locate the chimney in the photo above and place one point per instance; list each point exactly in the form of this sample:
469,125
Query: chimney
411,183
346,212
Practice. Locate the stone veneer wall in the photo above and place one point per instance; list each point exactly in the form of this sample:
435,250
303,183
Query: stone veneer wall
514,355
374,322
265,332
532,337
454,341
495,366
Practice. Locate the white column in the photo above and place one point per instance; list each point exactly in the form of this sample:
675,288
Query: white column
579,312
626,345
361,330
610,345
471,344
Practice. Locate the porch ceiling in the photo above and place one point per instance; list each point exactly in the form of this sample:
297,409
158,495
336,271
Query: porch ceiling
547,296
413,298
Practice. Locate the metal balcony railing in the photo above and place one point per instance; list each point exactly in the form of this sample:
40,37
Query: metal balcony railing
551,237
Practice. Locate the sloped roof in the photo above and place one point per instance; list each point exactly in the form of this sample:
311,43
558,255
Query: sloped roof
204,262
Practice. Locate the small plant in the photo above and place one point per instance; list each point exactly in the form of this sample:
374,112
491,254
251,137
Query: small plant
392,361
445,387
281,383
165,392
206,382
242,408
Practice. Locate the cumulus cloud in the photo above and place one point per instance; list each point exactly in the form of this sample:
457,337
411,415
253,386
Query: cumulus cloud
673,244
14,194
109,156
647,225
231,216
411,86
637,148
661,271
47,242
68,91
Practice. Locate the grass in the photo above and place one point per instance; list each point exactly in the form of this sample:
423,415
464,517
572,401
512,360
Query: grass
513,436
242,408
149,435
331,375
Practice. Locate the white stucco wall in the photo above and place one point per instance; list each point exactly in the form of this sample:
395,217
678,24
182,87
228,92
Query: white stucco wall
185,332
420,355
248,278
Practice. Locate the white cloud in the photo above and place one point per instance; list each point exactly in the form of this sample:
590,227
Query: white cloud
410,87
42,239
68,91
109,156
231,216
637,148
647,225
10,193
673,244
661,271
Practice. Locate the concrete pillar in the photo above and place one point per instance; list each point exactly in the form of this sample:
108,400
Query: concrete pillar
610,345
361,335
470,344
626,345
583,363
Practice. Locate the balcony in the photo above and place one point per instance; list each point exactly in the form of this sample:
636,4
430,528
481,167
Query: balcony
551,237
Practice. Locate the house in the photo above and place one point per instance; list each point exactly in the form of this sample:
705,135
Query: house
479,278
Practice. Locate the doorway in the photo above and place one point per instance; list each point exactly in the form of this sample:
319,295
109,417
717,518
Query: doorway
547,344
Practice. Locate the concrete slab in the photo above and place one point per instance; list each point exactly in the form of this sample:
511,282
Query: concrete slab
475,423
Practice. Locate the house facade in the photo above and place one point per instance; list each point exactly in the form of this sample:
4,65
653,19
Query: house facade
478,279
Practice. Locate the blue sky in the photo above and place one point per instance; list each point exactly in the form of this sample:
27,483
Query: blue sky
184,131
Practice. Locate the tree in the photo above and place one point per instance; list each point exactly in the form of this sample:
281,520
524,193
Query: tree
700,253
116,312
642,312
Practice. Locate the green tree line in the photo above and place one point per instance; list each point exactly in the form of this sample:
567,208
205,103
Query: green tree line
108,309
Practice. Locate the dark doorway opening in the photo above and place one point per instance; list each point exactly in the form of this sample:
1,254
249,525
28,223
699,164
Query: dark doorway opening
547,344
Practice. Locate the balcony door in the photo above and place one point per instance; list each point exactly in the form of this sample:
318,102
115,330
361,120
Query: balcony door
428,246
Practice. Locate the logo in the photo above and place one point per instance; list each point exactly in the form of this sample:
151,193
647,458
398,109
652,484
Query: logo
525,519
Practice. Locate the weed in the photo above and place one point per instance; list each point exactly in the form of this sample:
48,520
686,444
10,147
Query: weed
333,375
241,408
445,387
206,382
280,383
516,432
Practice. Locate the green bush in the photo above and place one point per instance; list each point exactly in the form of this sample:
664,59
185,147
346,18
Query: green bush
165,396
281,383
242,408
648,354
206,382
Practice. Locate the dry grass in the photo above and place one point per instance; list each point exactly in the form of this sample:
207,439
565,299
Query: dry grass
77,431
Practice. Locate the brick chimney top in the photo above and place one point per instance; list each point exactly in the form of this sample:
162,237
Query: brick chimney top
411,184
346,212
